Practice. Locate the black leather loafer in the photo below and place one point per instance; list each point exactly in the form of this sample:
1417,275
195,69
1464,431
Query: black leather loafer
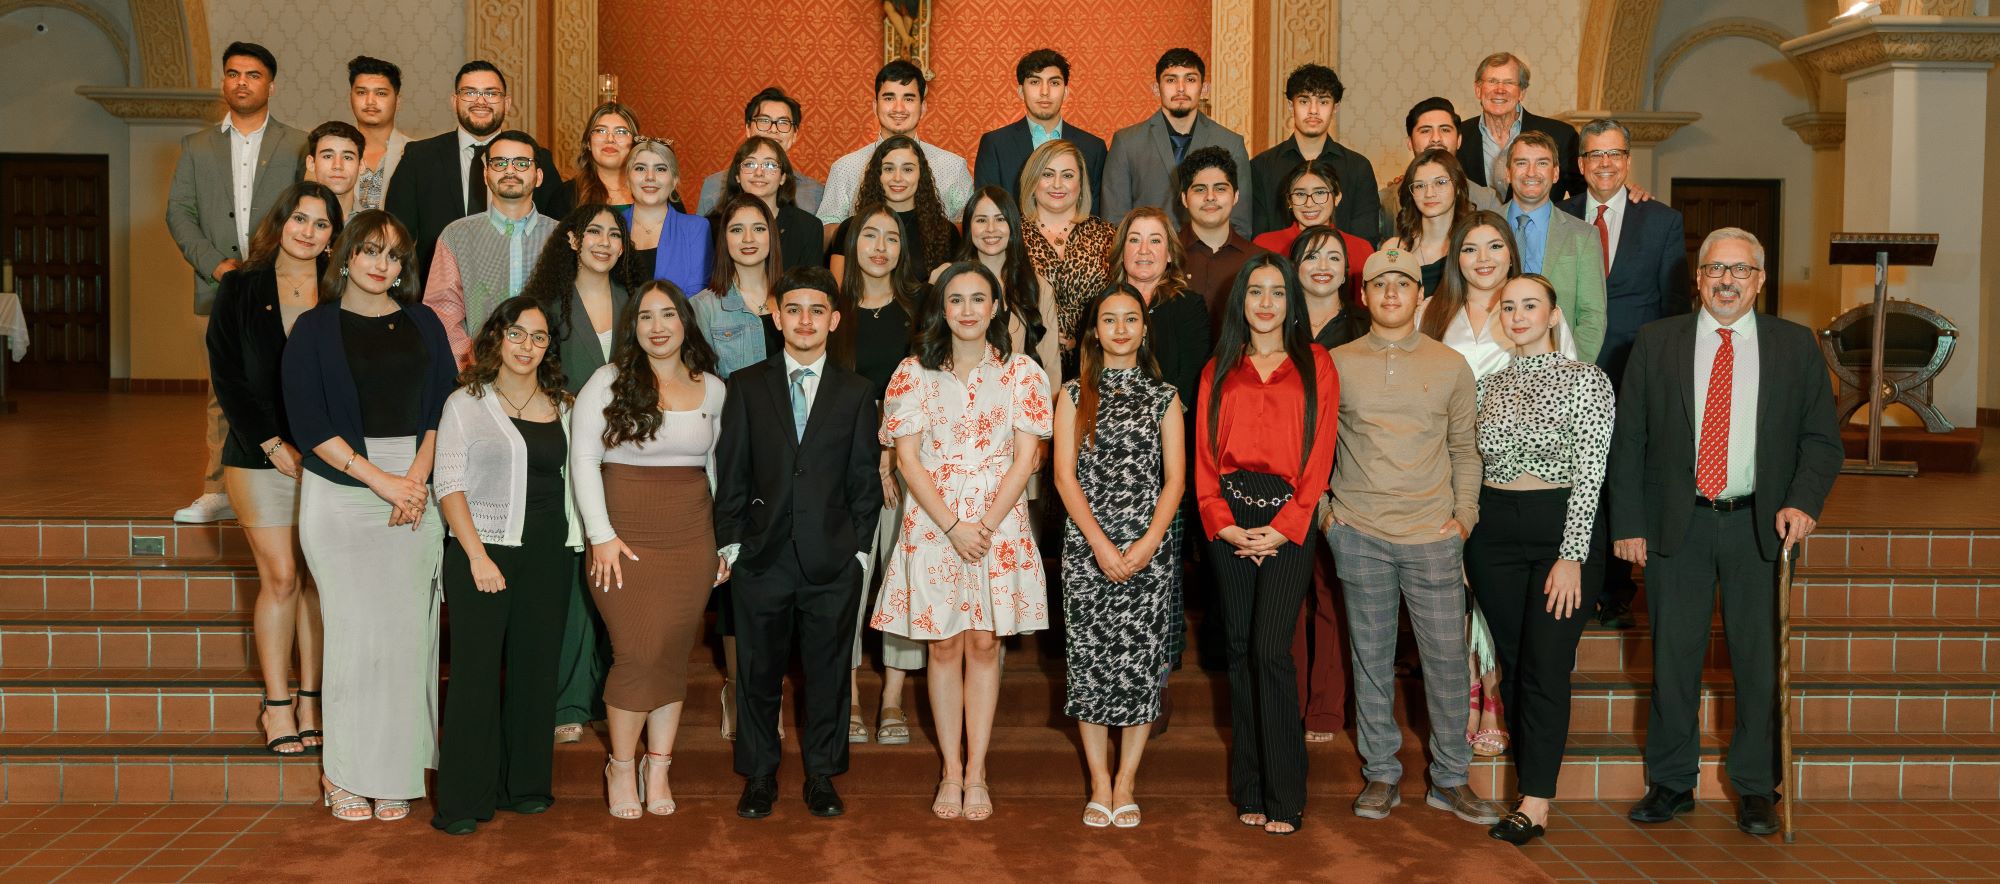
1757,815
1516,829
759,793
1660,805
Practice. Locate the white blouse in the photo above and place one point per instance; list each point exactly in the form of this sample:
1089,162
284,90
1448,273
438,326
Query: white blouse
1488,350
481,454
686,439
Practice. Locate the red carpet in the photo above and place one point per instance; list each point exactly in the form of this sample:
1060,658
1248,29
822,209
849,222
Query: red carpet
894,839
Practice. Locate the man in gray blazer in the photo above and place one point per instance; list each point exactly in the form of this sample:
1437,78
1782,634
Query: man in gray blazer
1139,171
1553,243
227,178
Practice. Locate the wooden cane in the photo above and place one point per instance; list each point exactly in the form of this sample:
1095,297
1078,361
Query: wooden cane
1785,691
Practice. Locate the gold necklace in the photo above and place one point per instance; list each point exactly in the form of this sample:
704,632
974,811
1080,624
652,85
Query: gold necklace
520,411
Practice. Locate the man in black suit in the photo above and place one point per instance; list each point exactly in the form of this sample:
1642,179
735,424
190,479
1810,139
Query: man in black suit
1313,91
794,517
1647,278
1499,82
1043,78
438,182
1725,448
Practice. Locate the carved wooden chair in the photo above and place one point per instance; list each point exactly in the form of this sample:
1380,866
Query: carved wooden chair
1917,343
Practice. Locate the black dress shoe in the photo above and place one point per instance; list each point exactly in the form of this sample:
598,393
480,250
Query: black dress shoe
1757,815
1660,805
759,793
821,799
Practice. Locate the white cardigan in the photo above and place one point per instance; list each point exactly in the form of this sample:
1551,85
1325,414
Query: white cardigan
480,453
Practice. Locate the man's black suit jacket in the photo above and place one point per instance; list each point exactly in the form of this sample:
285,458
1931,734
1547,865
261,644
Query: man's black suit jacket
1653,448
1003,152
1649,277
818,496
1472,152
426,194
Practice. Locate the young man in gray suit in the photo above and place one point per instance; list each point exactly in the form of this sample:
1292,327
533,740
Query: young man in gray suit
1554,244
1139,171
227,178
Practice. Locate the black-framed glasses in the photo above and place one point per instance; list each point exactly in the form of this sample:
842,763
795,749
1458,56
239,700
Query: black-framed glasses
780,125
516,334
1596,155
1739,271
1314,197
500,164
477,95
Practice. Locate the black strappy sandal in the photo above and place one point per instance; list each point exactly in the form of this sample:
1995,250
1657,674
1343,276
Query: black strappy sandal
305,735
285,740
1296,822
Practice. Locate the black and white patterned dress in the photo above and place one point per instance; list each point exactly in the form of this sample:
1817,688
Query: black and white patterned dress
1119,633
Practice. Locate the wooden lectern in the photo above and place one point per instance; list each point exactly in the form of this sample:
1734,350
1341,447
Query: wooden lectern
1881,250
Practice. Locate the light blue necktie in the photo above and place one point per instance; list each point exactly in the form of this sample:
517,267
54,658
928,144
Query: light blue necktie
799,376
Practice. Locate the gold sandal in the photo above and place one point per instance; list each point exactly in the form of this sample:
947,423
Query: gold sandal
951,810
857,730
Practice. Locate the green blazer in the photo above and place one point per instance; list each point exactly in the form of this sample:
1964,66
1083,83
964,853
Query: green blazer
1574,261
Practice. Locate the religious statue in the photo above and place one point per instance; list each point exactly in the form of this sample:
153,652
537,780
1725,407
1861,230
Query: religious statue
906,33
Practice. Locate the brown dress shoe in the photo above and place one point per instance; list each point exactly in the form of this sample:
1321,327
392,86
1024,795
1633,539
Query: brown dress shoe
1465,804
1376,799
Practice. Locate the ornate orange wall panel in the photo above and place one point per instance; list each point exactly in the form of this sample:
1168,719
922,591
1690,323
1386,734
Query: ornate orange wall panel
687,66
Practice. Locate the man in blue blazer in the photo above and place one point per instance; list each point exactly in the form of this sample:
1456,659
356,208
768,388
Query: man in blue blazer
1043,80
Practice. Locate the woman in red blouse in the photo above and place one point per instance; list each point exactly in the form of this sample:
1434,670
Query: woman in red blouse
1264,429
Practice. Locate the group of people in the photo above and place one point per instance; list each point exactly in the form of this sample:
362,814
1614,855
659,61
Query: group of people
577,415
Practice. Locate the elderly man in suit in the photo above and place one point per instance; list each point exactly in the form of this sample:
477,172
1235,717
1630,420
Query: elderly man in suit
1645,259
227,178
1554,244
1725,448
1313,92
437,181
1042,77
1499,82
1139,170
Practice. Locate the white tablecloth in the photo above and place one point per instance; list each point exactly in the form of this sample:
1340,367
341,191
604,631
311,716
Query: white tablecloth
14,325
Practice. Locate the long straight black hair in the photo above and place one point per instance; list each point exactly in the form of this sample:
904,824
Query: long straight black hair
1021,290
1235,341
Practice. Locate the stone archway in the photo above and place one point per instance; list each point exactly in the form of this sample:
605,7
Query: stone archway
88,13
1722,28
1613,53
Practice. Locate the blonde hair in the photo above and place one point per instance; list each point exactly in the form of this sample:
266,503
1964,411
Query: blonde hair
659,147
1031,175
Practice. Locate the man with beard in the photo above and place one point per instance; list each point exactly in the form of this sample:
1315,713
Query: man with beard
484,259
333,158
227,178
373,88
1139,170
438,183
1314,91
1553,243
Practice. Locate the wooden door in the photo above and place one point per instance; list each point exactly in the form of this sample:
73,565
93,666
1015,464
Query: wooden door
55,212
1753,204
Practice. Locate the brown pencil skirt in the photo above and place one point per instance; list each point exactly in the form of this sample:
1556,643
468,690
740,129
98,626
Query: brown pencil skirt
663,514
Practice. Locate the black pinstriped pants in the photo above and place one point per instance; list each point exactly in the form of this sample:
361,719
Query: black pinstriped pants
1260,614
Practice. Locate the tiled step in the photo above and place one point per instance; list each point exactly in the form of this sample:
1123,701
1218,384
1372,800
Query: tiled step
60,540
1829,644
1867,548
1883,594
1822,703
127,585
131,639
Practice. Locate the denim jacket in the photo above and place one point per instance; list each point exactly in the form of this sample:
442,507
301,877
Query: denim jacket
736,334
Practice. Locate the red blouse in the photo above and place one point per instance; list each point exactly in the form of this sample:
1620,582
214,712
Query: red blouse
1261,426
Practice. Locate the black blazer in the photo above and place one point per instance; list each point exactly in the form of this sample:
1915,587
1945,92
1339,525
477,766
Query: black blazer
1003,152
1471,152
818,497
1653,448
1649,278
320,397
426,193
1177,328
246,346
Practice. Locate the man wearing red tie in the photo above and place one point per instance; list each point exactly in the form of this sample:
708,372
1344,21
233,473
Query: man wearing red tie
1724,451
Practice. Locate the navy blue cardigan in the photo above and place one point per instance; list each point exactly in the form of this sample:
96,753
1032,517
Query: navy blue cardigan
320,399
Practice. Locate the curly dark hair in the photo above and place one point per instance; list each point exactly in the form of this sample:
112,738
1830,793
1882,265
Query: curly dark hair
553,281
932,339
634,414
478,377
932,222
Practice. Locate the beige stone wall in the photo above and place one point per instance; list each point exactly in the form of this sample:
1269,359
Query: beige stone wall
426,38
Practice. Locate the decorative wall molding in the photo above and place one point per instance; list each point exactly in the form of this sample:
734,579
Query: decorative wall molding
162,106
1820,131
503,32
1611,66
1301,31
1863,45
109,29
1232,68
1748,28
169,56
573,80
1648,128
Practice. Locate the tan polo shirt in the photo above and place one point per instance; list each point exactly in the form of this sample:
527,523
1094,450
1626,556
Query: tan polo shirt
1408,451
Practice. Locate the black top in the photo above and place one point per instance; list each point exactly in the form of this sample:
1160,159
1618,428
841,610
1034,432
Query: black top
881,341
801,237
1178,330
1360,210
1433,274
385,356
643,262
548,449
246,346
913,242
1342,328
321,401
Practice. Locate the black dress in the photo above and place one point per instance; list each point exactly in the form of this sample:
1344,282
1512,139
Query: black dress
881,341
1121,635
1433,274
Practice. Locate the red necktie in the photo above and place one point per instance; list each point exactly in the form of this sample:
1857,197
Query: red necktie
1711,467
1603,239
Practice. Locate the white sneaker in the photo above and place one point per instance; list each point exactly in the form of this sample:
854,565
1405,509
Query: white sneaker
210,507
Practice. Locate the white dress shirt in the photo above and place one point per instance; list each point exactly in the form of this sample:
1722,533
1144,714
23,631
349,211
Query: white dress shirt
1742,400
1614,221
1488,350
243,150
466,145
948,171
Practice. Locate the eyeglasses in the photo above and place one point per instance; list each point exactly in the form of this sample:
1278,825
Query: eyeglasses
500,164
749,166
1495,83
1315,197
1596,155
516,334
475,96
780,125
1739,271
619,132
1439,184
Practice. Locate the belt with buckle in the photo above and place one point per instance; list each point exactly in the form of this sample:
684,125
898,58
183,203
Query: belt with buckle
1727,505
